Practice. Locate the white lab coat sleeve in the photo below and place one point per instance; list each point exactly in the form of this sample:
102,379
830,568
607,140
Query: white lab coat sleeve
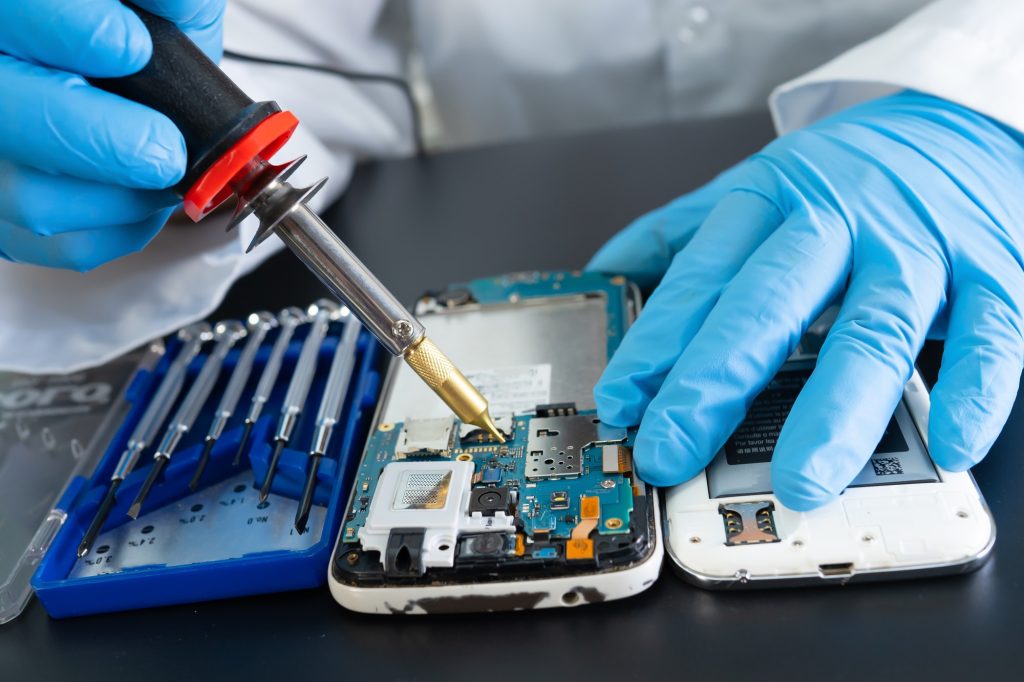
62,321
966,51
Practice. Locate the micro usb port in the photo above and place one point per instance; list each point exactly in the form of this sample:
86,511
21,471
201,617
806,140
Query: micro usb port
836,570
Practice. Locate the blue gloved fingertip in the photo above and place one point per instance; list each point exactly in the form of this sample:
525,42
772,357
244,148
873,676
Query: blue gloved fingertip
665,461
963,424
798,492
121,45
163,159
612,409
948,443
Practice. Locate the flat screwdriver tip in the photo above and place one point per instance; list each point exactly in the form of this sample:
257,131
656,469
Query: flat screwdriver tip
154,473
204,458
308,491
271,470
102,512
242,443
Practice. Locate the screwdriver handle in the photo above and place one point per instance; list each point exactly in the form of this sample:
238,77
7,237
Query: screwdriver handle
302,376
288,319
338,379
340,371
298,389
192,338
258,326
160,404
185,85
225,335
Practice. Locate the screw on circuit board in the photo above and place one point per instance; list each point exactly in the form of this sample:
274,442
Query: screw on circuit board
352,558
607,483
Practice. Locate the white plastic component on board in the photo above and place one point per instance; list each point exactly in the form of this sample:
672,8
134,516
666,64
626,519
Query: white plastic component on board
434,497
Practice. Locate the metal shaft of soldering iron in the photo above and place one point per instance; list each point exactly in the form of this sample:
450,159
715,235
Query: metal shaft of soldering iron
338,379
225,336
298,390
192,338
257,327
343,273
288,319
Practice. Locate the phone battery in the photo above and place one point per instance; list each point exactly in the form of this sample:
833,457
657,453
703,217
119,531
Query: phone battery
743,466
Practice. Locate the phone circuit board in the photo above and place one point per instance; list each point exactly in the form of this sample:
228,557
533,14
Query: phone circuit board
439,500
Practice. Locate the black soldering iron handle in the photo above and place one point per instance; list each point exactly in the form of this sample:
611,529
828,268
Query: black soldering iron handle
185,85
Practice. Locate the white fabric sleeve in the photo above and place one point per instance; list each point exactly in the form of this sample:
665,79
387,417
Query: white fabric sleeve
61,321
966,51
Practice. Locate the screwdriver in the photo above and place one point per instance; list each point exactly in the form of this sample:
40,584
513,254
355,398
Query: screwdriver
192,338
258,324
302,378
338,378
230,140
288,319
224,334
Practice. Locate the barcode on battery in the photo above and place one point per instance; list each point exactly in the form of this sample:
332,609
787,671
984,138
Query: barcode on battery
887,466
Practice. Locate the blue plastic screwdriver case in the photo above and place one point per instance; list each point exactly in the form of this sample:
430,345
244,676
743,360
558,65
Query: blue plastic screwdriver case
243,556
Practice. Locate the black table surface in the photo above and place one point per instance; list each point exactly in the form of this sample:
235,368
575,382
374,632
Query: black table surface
549,203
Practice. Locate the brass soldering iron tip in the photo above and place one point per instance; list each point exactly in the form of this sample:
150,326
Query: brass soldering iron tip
485,421
451,385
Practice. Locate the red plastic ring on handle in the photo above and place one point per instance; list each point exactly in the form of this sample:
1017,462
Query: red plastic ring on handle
263,141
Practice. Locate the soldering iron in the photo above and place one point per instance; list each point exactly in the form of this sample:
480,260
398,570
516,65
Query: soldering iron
230,140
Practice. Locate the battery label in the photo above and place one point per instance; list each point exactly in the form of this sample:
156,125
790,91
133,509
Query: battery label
754,441
743,466
513,390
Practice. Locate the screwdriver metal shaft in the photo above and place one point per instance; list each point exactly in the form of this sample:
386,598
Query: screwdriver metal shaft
329,413
225,335
288,319
302,378
191,338
257,326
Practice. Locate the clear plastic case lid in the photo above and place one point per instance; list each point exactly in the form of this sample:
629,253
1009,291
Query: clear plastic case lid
52,429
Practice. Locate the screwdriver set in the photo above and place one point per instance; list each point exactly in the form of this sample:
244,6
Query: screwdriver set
221,468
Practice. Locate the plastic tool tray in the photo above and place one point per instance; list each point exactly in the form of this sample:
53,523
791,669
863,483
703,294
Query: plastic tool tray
219,541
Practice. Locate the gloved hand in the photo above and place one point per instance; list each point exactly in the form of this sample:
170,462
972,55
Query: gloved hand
908,208
82,171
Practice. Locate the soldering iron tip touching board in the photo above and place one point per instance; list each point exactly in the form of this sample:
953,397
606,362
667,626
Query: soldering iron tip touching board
445,516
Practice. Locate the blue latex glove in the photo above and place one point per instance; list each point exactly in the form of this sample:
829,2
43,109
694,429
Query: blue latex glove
908,208
82,171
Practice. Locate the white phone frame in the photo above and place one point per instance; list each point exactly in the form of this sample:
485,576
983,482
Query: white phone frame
508,595
869,533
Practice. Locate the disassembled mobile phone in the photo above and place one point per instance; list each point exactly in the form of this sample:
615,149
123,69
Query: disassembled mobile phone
444,518
901,517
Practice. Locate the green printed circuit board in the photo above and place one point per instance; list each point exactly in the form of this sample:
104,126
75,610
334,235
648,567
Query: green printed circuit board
436,499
